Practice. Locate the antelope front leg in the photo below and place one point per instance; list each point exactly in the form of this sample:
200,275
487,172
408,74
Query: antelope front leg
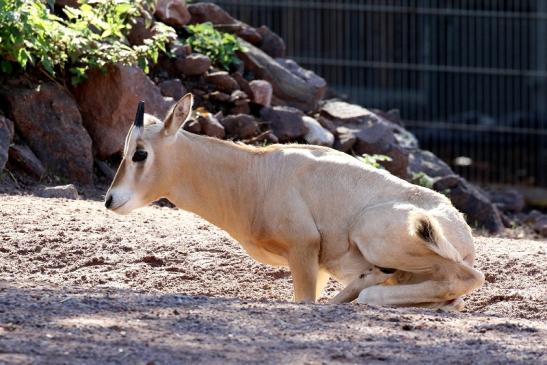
304,266
373,276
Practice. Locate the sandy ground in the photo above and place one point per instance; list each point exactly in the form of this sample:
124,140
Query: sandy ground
80,285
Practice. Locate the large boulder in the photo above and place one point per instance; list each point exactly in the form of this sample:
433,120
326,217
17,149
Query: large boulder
6,136
172,12
294,88
286,123
506,199
46,116
108,102
477,208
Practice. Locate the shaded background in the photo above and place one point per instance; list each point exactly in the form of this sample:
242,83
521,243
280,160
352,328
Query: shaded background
469,77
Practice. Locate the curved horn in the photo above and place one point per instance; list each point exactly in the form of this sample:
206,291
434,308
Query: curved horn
139,118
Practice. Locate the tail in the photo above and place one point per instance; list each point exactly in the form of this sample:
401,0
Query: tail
428,230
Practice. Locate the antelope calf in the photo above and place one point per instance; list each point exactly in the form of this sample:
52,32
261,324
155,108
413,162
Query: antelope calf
318,211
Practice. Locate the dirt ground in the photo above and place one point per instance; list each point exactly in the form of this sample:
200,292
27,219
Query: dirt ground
80,285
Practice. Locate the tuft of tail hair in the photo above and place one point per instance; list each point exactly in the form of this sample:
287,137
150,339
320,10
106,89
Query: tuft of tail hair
429,231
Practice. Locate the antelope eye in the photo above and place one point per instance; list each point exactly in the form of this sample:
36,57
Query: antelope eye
139,155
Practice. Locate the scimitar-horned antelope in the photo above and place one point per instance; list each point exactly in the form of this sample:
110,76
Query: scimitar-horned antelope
318,211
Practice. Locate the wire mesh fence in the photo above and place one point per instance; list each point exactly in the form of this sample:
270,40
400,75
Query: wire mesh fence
468,76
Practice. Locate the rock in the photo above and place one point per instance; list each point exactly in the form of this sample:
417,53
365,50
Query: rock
192,126
377,138
108,102
46,116
240,126
209,12
506,199
219,96
139,32
194,64
345,139
478,209
342,113
6,136
314,81
272,44
427,163
261,92
540,226
63,191
316,133
287,123
172,88
288,88
222,81
210,126
243,83
265,137
172,12
22,157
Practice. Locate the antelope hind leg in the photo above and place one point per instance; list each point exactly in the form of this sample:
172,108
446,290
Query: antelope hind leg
373,276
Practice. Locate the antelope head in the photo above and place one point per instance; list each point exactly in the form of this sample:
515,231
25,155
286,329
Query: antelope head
145,172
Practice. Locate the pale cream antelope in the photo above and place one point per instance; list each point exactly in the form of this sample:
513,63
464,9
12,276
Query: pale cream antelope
318,211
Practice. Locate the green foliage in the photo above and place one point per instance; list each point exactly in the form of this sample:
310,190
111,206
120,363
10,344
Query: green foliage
422,179
374,160
92,36
218,46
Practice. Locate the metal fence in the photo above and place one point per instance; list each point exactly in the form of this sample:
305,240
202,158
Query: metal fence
468,76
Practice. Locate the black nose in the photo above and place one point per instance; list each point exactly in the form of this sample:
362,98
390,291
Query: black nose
108,202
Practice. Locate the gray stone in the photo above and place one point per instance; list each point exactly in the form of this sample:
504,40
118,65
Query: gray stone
288,88
261,92
63,192
478,209
427,163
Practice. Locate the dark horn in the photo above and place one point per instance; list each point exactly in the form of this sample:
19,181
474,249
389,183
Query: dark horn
139,118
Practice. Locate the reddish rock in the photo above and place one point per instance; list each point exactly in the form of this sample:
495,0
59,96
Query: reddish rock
210,126
209,12
240,126
261,92
172,12
6,136
243,83
222,81
194,64
47,118
286,122
108,101
22,158
272,44
172,88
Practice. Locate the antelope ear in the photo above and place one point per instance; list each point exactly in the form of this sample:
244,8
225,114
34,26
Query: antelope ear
178,115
